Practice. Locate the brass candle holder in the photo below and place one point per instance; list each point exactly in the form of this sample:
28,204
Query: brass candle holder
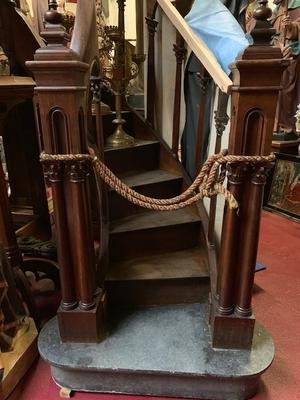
117,75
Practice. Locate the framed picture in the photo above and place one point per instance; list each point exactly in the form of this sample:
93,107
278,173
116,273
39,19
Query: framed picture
282,193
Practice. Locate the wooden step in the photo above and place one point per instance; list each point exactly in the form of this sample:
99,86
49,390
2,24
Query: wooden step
169,278
155,183
143,156
153,232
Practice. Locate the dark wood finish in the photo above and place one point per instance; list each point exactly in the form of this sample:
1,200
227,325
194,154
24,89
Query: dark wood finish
54,174
14,275
19,42
256,77
78,325
157,292
286,146
151,233
180,53
155,183
221,121
144,155
152,25
228,263
250,216
204,81
62,76
62,92
9,243
14,27
232,332
22,146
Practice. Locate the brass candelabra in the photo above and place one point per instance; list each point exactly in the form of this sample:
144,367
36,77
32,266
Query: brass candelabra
122,69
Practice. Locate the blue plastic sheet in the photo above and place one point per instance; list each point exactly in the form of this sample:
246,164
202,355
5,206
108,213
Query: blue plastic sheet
219,30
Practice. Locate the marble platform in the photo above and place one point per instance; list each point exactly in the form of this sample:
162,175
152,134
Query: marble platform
159,351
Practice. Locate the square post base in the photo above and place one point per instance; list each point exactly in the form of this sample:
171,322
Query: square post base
83,326
232,331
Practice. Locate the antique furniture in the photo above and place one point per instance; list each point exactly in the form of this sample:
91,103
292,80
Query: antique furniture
17,121
106,337
286,146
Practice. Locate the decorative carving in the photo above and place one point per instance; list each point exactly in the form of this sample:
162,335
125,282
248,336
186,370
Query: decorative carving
221,122
121,5
261,28
52,16
53,172
77,171
236,173
55,34
152,25
96,85
259,174
180,53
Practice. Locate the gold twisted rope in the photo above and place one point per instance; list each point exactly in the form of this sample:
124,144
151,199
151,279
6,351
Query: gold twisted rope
208,183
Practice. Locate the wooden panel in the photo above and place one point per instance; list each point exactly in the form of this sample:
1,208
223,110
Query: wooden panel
154,183
153,219
125,245
143,156
157,292
180,264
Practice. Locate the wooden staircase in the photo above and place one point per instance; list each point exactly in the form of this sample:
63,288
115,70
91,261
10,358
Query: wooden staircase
155,257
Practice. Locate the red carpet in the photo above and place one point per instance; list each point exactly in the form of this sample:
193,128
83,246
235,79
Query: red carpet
276,304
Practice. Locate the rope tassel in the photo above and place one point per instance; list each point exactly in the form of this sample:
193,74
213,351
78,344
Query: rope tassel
208,183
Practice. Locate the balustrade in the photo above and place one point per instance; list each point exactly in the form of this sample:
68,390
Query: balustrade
253,105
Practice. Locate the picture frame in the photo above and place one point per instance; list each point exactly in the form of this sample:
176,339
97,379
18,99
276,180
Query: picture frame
282,193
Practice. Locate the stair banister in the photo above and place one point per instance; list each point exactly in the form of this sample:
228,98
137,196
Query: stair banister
84,37
62,75
197,45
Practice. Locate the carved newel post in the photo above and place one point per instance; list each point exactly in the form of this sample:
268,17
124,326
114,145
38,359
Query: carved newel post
256,84
61,93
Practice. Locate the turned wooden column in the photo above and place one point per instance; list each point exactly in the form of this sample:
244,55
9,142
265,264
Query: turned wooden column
121,43
231,235
221,121
121,11
250,220
205,79
180,53
54,175
257,76
151,85
81,238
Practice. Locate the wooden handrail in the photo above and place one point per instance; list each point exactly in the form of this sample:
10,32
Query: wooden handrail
197,46
84,38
